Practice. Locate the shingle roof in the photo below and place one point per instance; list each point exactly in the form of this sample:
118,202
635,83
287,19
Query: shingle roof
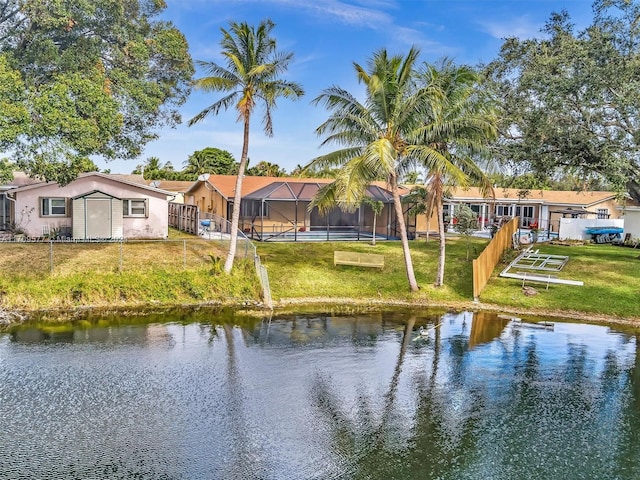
549,197
174,185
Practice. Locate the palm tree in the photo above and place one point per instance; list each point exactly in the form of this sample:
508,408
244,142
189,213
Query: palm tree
376,135
376,207
251,76
459,125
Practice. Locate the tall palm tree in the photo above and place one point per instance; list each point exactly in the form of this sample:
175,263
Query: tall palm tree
251,76
376,135
459,125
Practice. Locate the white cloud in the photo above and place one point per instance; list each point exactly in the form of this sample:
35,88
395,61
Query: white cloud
521,27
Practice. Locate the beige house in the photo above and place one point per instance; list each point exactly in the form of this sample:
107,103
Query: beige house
277,208
94,206
540,209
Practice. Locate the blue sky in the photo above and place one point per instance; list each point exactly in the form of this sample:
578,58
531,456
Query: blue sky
327,36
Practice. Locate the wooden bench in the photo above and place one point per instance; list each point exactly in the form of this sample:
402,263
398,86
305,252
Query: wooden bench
358,259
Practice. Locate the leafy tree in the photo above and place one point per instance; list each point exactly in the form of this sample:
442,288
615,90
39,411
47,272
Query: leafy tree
14,114
378,137
312,171
467,223
6,170
572,99
459,126
153,170
266,169
251,76
211,160
97,78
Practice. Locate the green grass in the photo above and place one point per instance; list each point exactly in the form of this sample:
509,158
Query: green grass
179,272
304,270
102,275
611,277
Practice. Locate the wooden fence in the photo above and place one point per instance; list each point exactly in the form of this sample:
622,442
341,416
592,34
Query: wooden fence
184,217
485,263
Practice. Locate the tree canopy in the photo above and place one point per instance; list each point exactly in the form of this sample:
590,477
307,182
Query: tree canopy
88,77
211,160
266,169
572,99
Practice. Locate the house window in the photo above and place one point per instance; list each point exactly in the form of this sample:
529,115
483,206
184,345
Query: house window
602,212
134,207
53,207
503,210
251,208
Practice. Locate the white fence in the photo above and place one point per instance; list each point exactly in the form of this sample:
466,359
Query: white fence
575,228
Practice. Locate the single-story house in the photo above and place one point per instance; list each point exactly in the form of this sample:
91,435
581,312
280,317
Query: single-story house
20,179
277,208
540,209
93,206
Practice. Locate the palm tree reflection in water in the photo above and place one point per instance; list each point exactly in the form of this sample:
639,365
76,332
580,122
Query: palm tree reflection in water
497,407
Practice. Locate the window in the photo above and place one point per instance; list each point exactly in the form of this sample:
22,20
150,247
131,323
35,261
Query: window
503,210
134,207
53,207
251,208
603,212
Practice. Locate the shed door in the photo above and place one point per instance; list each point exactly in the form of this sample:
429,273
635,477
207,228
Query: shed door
98,218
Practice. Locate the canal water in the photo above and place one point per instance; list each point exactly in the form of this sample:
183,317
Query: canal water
395,395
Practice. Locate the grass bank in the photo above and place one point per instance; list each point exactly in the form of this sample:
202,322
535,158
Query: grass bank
611,277
183,270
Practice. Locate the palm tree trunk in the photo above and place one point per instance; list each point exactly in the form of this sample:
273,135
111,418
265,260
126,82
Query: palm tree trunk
441,257
373,241
413,285
237,198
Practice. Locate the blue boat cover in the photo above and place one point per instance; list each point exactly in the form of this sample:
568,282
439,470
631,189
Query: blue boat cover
603,230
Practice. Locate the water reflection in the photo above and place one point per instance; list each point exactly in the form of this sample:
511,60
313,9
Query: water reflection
474,396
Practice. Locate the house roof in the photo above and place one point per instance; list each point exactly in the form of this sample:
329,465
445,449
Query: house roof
20,179
173,185
282,188
112,177
128,177
305,191
547,197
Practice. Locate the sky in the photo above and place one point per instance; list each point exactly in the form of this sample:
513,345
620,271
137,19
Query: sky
327,37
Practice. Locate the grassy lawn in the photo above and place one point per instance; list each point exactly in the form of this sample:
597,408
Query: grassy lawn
299,270
181,271
611,276
175,272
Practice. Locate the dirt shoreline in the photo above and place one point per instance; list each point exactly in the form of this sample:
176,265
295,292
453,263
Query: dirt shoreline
317,304
468,306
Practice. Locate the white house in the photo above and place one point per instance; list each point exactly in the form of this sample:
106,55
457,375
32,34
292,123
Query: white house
94,206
